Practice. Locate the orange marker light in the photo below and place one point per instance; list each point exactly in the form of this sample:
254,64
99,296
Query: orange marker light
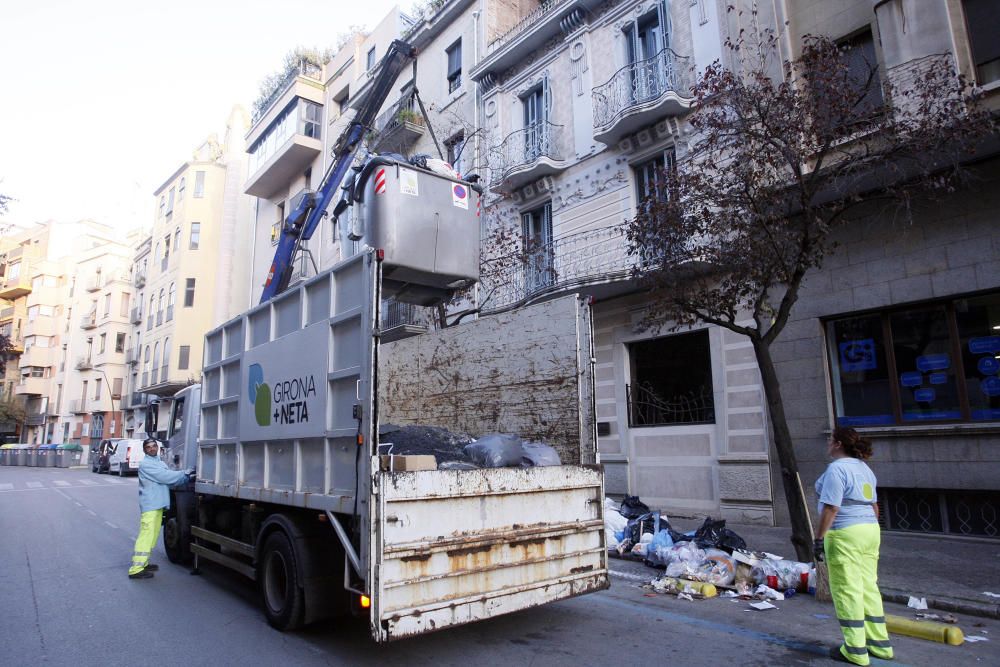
366,602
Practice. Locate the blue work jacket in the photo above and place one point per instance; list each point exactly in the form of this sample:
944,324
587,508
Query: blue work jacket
154,478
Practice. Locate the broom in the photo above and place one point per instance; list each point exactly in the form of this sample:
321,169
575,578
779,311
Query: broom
822,574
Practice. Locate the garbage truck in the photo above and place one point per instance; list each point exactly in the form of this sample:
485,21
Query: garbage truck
291,491
284,428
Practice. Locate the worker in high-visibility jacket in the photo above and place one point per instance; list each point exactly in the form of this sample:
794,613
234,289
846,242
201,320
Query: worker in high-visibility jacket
154,497
848,539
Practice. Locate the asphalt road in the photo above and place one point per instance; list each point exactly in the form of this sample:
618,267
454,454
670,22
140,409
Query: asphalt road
66,539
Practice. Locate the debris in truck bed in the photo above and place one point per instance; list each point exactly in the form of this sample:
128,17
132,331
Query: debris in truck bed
445,446
458,451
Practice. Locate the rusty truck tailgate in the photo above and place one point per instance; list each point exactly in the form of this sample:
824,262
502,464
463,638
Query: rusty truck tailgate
454,546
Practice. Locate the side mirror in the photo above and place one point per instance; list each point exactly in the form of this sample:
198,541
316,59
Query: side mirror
151,417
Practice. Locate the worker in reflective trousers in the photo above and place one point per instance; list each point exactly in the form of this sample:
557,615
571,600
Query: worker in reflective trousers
154,497
848,539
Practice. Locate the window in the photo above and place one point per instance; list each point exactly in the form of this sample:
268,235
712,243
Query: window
166,253
97,425
123,307
312,119
195,239
370,59
646,39
107,305
177,422
982,20
116,388
170,201
343,104
536,231
177,239
933,363
861,61
102,343
119,342
535,107
199,184
454,147
188,292
152,309
97,390
180,189
671,381
159,309
171,297
163,205
650,176
166,360
183,357
276,226
454,53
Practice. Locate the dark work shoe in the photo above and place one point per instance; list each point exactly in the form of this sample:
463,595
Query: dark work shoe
838,655
151,567
142,574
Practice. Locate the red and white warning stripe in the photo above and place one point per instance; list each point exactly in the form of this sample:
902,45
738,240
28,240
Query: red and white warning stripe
479,206
380,182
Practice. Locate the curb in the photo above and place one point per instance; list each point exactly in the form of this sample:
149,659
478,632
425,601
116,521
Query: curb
983,610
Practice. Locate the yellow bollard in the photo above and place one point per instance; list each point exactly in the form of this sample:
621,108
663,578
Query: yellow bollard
929,630
700,587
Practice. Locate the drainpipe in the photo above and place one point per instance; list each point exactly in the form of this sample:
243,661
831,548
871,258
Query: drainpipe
477,101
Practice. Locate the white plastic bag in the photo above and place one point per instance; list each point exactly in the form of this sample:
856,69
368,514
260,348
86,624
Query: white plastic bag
538,454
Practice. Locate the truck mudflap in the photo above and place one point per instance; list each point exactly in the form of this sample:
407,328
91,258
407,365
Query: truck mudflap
451,547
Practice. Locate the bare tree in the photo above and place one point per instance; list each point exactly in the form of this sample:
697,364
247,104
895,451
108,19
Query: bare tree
783,154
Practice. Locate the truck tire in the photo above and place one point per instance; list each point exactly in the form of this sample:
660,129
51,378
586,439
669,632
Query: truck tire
281,592
177,528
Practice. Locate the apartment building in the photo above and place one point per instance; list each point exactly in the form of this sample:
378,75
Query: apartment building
90,380
188,272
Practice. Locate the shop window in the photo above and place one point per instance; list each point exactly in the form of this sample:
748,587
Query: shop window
671,381
935,363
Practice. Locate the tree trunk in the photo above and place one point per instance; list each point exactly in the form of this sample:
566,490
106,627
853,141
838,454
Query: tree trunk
802,533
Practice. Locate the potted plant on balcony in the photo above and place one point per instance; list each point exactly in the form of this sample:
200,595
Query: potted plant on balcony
409,116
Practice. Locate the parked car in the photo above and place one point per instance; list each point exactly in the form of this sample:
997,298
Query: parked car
126,457
101,453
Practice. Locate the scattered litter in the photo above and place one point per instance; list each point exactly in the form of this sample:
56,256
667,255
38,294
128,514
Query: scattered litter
771,556
974,638
768,593
684,596
992,595
945,618
917,603
821,616
761,606
729,594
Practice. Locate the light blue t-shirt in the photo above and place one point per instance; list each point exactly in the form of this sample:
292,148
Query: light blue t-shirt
849,484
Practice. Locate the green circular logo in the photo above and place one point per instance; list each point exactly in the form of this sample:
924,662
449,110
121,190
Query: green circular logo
867,491
262,406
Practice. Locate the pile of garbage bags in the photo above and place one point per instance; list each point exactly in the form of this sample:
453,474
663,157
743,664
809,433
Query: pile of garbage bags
458,451
712,553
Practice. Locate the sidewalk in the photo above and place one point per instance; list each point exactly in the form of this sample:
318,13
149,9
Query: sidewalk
951,573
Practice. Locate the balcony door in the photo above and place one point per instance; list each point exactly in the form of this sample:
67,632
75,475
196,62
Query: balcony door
647,37
536,229
536,117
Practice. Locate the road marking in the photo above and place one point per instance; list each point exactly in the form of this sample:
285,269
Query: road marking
91,512
108,523
6,487
61,482
89,482
78,504
34,485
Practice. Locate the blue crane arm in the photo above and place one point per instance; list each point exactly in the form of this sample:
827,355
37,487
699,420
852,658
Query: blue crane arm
303,221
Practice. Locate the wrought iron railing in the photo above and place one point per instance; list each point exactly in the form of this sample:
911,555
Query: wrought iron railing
590,257
34,418
955,512
305,68
523,147
646,407
546,8
136,316
404,110
397,314
639,83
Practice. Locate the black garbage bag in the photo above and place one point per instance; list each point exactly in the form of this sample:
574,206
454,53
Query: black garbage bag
650,522
632,507
714,534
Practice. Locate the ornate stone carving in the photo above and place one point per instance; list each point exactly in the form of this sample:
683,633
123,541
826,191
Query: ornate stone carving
591,188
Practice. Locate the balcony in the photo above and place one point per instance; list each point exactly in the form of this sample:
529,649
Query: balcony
88,321
84,364
17,343
640,94
42,357
597,260
526,155
6,313
131,357
398,128
136,400
136,316
139,279
34,418
289,145
401,320
16,287
40,325
29,386
94,283
78,406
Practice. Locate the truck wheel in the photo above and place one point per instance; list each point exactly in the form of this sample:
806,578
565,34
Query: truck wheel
177,540
284,600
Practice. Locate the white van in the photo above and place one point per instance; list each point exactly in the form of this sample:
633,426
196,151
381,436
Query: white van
126,457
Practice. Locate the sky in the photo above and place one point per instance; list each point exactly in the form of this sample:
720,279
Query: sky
103,100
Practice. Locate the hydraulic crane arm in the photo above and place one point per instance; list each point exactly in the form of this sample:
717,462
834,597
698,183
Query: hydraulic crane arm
309,211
